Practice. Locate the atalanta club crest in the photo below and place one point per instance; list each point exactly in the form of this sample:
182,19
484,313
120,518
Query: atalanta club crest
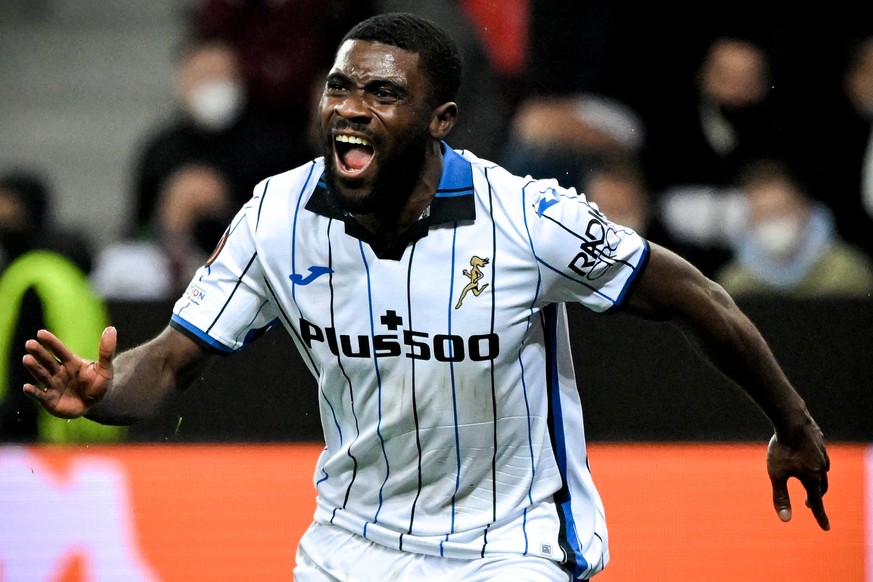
217,250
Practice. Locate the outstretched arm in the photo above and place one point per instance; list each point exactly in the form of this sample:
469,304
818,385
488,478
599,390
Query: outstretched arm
111,390
672,289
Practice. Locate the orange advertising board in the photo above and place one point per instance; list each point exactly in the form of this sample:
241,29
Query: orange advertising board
216,512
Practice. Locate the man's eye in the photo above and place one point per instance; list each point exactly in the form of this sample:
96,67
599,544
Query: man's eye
386,94
334,86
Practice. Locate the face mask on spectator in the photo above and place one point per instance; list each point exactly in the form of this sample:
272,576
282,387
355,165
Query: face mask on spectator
215,105
777,236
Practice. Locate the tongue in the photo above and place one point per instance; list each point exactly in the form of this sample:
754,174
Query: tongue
358,157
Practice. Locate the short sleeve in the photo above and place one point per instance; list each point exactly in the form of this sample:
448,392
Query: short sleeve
227,306
583,257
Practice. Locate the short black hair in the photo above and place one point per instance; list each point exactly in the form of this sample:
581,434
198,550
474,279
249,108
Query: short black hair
767,169
437,50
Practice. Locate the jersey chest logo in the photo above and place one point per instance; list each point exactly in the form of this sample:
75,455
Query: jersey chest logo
475,275
314,273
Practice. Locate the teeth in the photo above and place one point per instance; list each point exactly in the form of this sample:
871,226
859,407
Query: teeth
352,139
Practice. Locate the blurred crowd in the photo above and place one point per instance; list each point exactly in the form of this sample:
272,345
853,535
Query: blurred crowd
739,138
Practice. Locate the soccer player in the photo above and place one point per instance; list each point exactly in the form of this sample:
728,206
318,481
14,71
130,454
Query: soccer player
425,290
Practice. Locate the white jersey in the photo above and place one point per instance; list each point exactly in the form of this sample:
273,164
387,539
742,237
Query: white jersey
451,417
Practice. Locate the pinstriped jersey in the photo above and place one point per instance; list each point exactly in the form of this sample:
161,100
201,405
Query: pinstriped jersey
451,417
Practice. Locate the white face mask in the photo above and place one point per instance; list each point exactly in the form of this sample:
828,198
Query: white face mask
215,105
777,236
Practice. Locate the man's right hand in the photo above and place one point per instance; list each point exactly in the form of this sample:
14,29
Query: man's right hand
67,385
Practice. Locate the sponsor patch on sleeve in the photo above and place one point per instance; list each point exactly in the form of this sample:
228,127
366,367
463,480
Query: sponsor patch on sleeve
195,294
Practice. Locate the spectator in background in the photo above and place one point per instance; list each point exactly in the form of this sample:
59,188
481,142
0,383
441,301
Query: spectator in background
284,47
788,245
215,126
730,122
859,88
26,222
841,164
557,135
572,107
194,207
618,186
43,282
696,148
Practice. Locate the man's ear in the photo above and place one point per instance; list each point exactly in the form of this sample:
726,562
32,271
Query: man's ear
443,120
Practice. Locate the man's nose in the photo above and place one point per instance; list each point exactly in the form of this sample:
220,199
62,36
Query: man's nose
353,107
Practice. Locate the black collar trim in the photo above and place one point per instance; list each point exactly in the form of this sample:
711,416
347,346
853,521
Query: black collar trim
452,203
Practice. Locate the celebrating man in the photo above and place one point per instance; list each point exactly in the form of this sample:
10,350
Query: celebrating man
455,447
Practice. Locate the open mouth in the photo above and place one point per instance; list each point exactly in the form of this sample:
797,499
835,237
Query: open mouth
353,153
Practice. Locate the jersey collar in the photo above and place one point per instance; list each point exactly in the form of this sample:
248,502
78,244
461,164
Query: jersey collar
452,203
